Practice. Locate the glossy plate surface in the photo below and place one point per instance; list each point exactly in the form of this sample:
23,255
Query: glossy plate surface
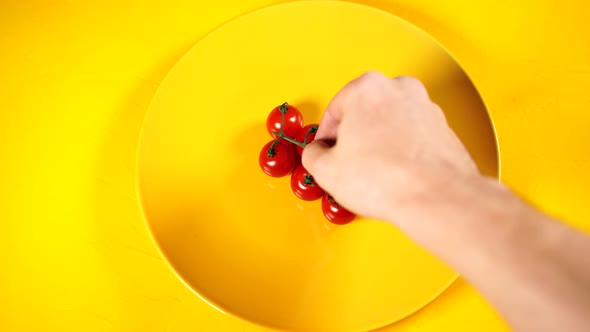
242,240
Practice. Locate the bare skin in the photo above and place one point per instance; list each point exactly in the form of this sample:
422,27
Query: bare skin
384,150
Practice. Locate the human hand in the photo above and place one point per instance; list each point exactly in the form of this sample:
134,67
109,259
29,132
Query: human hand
396,159
392,146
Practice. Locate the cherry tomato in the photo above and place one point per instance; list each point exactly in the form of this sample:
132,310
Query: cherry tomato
292,123
309,131
335,213
304,186
280,160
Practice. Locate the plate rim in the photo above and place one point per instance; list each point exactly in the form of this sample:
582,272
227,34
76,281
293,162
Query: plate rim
212,303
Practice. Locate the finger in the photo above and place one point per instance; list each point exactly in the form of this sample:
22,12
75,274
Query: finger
438,112
415,88
317,158
412,86
328,129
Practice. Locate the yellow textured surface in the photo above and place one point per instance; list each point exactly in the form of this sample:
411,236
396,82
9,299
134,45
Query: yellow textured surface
76,79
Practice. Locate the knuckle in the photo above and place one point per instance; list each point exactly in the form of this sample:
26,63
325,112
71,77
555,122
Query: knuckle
372,76
409,81
370,83
437,110
411,85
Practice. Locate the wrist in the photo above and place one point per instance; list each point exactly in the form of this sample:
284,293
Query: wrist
461,216
428,197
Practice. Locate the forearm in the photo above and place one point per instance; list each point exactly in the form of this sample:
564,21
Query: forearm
534,270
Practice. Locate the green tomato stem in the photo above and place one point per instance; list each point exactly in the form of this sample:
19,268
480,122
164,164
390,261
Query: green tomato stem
308,180
294,141
284,108
282,131
311,130
271,149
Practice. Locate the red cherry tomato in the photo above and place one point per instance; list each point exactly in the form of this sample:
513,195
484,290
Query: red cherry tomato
335,213
293,121
304,186
280,160
308,131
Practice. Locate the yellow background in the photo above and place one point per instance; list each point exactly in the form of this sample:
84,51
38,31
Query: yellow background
76,78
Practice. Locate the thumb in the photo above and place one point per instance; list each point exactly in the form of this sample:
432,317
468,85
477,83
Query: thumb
317,159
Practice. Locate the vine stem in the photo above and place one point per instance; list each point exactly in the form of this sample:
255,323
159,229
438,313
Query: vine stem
294,141
281,134
283,109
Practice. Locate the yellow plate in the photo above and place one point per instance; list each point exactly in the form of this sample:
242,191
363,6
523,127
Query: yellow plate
241,240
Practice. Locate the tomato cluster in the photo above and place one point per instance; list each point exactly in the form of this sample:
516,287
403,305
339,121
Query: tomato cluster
282,156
